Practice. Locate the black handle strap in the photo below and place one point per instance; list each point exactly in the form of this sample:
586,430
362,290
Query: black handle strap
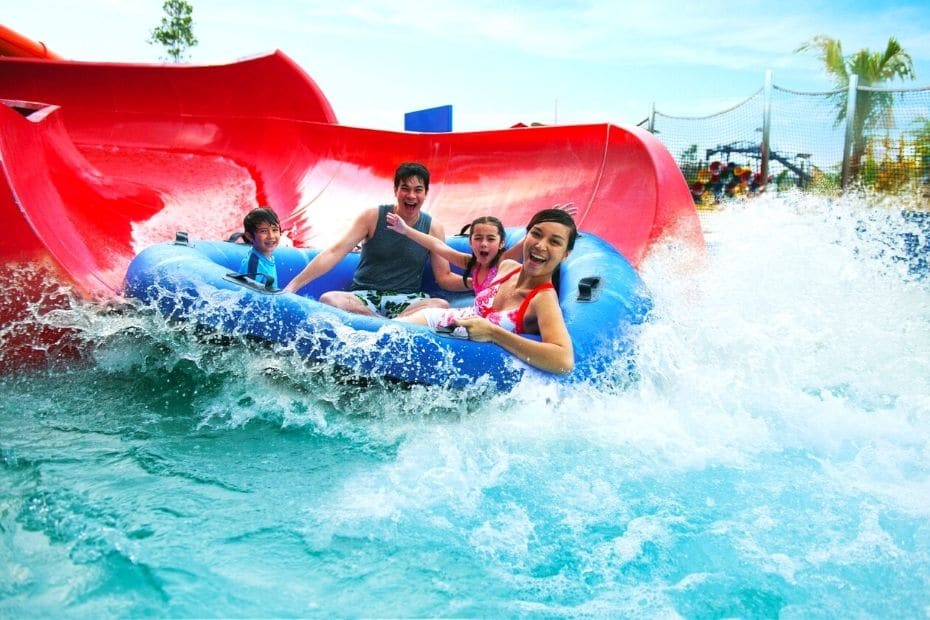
251,280
588,288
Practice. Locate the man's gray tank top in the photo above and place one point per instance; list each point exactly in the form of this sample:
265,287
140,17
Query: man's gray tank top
390,261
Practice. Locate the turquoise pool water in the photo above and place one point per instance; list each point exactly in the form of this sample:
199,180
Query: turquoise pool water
770,458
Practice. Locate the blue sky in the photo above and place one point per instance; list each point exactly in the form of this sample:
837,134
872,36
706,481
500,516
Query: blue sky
499,62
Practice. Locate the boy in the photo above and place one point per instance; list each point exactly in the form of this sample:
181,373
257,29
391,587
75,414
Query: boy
263,231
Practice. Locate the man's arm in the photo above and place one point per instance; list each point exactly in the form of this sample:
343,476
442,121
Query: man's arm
362,228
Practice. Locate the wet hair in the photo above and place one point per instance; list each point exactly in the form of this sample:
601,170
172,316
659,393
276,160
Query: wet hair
557,216
411,169
486,219
258,216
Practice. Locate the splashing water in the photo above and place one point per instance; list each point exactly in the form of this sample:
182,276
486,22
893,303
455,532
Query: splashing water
770,458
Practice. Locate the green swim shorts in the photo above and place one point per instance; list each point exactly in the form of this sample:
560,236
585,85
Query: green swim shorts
388,303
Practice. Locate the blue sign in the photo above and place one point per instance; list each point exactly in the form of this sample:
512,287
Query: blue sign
434,120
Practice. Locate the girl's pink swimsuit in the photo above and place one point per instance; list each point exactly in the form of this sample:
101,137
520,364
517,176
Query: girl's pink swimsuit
511,320
480,286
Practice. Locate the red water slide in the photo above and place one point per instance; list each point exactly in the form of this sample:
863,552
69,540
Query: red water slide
100,160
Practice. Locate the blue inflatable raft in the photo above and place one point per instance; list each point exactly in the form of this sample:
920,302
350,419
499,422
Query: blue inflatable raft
601,296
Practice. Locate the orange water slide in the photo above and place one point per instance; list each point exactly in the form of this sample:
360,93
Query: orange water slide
103,158
14,44
100,160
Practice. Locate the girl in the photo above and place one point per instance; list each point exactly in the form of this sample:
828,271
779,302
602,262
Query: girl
486,238
522,301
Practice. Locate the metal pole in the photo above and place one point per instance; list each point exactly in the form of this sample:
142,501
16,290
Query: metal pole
766,126
848,142
652,118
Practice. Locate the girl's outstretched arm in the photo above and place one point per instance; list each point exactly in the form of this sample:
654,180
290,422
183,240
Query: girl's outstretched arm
431,243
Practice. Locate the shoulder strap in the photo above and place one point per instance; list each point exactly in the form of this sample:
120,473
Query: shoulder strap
253,263
518,320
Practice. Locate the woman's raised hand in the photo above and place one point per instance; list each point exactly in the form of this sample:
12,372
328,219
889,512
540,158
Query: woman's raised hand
568,207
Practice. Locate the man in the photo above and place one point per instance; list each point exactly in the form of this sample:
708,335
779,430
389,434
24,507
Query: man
388,279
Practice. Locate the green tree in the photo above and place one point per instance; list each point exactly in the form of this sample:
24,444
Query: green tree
176,32
689,164
873,108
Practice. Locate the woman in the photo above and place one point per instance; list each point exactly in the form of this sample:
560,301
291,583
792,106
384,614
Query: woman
521,301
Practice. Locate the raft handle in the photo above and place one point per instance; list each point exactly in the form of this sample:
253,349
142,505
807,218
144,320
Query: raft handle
249,280
589,288
180,238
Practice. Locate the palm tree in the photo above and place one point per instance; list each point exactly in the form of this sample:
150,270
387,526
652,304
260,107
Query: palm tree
873,108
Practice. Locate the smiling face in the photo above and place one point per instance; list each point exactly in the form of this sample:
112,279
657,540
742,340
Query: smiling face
265,238
410,194
545,247
486,242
